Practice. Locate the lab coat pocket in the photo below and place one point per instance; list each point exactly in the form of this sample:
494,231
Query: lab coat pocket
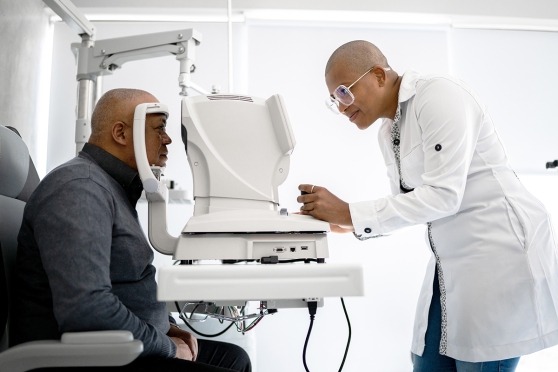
516,223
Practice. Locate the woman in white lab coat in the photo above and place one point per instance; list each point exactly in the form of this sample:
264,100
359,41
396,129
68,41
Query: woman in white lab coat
490,293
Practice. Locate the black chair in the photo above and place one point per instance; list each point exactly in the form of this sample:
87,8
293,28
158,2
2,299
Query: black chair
18,179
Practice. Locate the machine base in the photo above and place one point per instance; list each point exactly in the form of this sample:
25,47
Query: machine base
227,246
256,282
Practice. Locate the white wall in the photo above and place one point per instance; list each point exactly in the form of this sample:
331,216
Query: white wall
290,60
25,55
515,73
63,94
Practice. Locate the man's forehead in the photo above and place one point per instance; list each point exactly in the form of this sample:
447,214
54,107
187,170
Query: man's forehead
159,116
131,104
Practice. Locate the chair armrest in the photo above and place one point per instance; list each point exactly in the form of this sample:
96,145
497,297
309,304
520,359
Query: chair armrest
76,349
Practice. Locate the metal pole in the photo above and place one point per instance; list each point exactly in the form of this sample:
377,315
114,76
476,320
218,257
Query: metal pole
86,93
229,10
86,99
98,90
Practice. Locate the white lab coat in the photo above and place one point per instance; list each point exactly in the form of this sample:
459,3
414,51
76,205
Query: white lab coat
494,240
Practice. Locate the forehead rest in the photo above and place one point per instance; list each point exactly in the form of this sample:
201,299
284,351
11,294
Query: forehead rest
14,163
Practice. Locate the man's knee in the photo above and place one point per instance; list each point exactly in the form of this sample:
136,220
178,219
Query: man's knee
243,363
224,354
242,360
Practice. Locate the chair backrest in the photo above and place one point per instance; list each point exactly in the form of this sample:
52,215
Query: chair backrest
18,179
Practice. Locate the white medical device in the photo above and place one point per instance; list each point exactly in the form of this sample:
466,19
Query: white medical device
239,151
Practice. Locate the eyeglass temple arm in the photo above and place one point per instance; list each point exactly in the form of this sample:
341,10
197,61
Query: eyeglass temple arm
385,68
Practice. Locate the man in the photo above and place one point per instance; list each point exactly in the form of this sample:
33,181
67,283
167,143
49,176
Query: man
83,263
490,293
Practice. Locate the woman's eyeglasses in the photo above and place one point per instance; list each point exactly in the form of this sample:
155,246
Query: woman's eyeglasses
343,95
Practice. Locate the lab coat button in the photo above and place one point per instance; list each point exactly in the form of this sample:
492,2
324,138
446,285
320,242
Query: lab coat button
368,230
438,147
396,142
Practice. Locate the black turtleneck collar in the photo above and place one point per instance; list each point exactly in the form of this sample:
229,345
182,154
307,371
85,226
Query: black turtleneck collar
126,177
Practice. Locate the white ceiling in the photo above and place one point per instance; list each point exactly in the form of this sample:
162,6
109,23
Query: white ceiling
538,15
538,9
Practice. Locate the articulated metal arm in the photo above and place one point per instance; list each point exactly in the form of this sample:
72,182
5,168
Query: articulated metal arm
102,57
105,56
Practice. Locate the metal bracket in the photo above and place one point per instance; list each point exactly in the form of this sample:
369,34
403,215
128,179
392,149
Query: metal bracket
104,56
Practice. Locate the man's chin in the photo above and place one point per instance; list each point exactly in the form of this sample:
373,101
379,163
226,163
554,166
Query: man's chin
161,163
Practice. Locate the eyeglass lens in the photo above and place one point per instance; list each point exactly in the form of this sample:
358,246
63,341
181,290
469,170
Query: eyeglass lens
332,104
343,95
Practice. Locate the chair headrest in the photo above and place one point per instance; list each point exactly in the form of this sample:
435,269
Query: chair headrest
14,163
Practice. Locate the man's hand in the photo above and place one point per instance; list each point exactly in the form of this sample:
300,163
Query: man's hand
183,351
185,338
323,205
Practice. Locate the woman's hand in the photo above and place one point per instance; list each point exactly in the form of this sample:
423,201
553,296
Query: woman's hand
340,229
323,205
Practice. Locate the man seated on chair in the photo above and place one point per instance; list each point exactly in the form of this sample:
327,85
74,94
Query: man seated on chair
83,262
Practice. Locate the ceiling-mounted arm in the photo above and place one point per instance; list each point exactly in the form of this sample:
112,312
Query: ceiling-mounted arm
72,16
105,56
102,57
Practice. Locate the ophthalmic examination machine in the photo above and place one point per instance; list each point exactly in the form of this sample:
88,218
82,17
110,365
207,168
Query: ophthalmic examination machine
239,150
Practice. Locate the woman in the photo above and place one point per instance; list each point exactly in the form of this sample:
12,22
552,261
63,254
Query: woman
491,290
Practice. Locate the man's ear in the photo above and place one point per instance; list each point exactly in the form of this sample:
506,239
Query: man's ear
120,134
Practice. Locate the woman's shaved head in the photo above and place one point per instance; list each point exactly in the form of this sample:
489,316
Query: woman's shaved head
376,94
356,56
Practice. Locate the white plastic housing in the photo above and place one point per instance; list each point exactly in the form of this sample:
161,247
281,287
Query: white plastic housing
259,282
254,221
150,183
235,246
239,150
156,191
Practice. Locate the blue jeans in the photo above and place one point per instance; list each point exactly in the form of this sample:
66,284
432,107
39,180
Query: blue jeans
432,361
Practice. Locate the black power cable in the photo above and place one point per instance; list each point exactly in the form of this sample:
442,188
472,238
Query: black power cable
206,335
349,339
195,330
312,306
